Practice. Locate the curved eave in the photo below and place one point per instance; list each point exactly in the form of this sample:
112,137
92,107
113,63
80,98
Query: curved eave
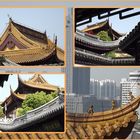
35,51
47,87
95,26
28,55
54,88
31,55
106,115
96,43
19,96
60,54
100,130
12,96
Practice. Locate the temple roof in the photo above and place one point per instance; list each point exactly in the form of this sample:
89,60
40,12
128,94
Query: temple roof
100,25
13,96
20,96
31,33
37,81
38,78
95,26
21,44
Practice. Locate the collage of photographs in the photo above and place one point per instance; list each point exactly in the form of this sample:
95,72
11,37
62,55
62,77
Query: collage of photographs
69,72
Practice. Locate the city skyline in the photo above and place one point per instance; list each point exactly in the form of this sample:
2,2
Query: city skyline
111,73
104,89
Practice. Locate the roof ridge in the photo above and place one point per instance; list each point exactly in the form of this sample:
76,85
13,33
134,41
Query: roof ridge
97,23
28,27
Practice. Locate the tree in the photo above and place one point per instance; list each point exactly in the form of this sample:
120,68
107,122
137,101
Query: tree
103,35
20,112
54,94
35,100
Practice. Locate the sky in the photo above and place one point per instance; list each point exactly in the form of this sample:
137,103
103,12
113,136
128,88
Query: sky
41,19
55,79
122,26
111,73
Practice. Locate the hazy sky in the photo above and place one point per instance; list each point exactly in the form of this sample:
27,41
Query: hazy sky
55,79
49,19
122,26
111,73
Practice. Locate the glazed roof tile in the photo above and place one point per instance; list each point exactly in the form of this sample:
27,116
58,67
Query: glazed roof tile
35,50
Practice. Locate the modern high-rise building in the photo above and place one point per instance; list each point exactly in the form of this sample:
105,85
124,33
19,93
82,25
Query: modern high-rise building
130,85
108,89
74,103
95,87
81,81
104,89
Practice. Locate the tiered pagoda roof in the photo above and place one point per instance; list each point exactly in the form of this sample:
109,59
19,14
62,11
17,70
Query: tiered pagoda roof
102,26
90,49
26,46
34,84
37,82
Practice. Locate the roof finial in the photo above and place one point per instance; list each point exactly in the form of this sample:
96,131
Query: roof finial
45,32
55,41
10,18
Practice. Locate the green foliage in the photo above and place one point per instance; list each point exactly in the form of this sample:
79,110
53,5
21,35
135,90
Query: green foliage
103,35
54,94
1,111
110,54
20,112
35,100
48,98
